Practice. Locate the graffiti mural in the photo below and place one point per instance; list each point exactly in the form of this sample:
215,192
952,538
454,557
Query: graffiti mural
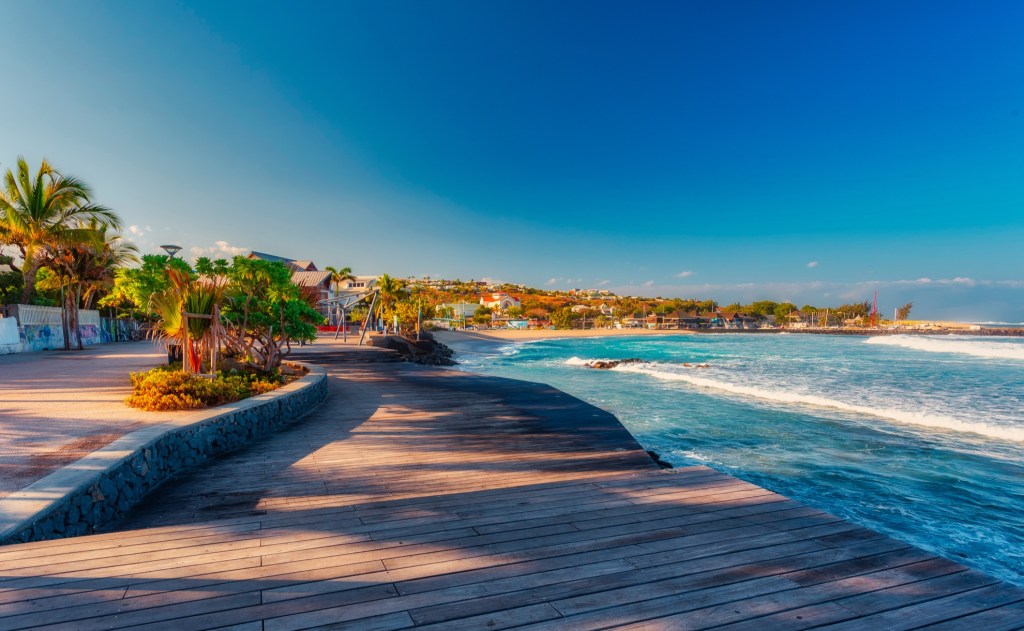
41,328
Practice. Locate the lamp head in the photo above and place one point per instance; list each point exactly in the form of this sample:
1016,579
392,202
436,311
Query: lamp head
171,249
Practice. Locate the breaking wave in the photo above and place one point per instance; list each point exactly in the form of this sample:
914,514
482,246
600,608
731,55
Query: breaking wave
923,419
976,348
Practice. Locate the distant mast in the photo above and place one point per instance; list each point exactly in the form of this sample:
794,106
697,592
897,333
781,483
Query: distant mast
874,311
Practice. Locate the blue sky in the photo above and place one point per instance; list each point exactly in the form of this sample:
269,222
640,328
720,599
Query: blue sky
807,151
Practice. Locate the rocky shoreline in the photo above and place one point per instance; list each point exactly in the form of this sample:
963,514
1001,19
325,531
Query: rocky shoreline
426,350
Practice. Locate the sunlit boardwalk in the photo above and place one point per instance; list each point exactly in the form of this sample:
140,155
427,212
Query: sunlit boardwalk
432,499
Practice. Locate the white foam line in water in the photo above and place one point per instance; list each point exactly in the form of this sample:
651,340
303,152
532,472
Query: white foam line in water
977,348
782,396
577,361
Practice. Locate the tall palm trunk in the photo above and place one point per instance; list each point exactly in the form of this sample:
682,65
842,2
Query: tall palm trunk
69,314
65,316
76,316
33,261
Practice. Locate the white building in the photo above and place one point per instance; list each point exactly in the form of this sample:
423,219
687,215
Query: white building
499,300
359,284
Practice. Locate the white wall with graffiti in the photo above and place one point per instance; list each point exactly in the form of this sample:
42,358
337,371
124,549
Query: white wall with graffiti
41,328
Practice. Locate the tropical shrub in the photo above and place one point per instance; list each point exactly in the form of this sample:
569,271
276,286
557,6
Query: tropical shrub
264,313
564,318
169,388
197,296
133,286
11,282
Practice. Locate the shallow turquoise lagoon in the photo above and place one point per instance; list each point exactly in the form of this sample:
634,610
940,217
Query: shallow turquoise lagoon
918,437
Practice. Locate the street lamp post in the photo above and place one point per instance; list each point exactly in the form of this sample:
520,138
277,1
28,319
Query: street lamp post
173,350
171,249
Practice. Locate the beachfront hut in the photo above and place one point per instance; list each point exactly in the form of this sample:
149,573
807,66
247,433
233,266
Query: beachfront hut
714,320
737,320
669,321
635,321
797,320
690,320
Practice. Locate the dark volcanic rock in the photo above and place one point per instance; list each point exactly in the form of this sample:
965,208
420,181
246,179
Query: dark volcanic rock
424,351
612,363
657,459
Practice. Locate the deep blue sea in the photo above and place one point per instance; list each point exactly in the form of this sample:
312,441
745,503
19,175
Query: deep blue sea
921,438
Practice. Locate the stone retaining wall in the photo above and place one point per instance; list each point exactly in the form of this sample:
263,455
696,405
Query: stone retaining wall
92,492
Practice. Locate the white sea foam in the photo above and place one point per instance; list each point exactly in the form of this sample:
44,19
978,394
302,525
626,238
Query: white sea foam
576,361
978,348
1000,323
797,398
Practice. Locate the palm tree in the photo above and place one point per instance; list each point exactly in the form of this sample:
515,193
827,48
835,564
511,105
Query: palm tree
339,276
389,291
40,211
86,268
100,263
201,336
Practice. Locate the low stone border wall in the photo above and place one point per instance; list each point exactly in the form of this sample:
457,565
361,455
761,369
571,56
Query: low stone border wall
90,493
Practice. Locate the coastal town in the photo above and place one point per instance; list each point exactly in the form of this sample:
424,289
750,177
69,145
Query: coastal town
570,315
110,311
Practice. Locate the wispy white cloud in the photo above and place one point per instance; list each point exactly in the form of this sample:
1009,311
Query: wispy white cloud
685,274
551,281
219,248
812,264
139,230
648,283
603,283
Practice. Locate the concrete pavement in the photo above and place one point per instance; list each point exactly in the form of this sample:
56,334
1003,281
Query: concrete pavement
58,406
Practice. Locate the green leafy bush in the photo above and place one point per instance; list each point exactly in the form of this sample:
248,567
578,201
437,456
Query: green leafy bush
169,388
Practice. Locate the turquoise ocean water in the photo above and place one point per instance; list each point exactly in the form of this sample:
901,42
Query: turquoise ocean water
921,438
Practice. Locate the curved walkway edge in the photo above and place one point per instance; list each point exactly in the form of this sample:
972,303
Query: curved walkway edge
85,495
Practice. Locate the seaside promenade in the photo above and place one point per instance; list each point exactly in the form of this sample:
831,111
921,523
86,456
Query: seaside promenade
435,499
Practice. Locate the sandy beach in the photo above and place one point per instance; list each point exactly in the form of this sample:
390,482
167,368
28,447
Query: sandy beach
450,337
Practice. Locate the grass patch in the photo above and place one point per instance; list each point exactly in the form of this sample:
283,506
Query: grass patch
168,388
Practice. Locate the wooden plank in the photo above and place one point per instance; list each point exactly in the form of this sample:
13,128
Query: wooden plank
951,599
1002,618
713,606
711,570
504,619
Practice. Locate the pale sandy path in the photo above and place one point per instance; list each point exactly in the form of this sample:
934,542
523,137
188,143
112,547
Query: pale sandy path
486,341
58,406
541,334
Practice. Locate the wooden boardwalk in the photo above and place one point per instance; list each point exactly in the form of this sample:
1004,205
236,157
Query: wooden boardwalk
437,500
